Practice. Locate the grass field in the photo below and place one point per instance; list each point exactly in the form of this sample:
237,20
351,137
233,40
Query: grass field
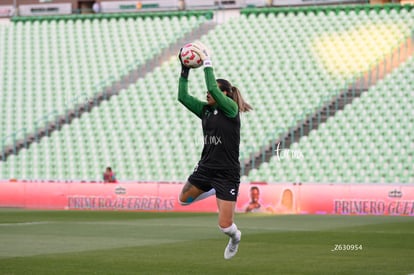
75,242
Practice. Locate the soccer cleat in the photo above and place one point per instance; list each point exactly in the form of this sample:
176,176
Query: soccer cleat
232,246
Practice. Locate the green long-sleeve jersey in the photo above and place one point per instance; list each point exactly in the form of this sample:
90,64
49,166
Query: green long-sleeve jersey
220,123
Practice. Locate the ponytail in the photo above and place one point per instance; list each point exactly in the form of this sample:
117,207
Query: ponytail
238,98
234,93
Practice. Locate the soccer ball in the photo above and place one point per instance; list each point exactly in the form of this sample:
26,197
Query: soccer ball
189,58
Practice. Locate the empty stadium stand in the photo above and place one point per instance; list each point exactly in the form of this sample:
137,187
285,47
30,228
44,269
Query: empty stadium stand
57,64
370,141
297,62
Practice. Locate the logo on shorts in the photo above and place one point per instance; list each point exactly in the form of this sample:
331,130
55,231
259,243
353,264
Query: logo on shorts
233,191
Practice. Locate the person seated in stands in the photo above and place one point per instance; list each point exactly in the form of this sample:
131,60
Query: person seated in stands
109,176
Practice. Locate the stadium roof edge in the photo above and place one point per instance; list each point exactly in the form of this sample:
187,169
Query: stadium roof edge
206,13
325,9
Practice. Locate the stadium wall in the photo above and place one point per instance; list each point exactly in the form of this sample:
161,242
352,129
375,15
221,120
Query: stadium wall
6,10
289,198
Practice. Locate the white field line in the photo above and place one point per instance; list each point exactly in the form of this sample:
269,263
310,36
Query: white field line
25,223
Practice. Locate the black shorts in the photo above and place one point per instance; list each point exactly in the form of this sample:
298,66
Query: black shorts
225,181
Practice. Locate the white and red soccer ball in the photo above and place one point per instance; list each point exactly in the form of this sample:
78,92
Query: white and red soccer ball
189,58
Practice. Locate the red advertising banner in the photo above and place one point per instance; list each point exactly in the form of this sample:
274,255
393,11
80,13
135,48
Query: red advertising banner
339,199
342,199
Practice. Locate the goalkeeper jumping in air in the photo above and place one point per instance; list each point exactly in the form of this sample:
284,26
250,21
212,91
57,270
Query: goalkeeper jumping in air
218,171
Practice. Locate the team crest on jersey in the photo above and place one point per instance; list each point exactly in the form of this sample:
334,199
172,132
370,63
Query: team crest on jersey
215,112
207,113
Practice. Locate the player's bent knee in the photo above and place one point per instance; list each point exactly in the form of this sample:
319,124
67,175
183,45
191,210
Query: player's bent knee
185,201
